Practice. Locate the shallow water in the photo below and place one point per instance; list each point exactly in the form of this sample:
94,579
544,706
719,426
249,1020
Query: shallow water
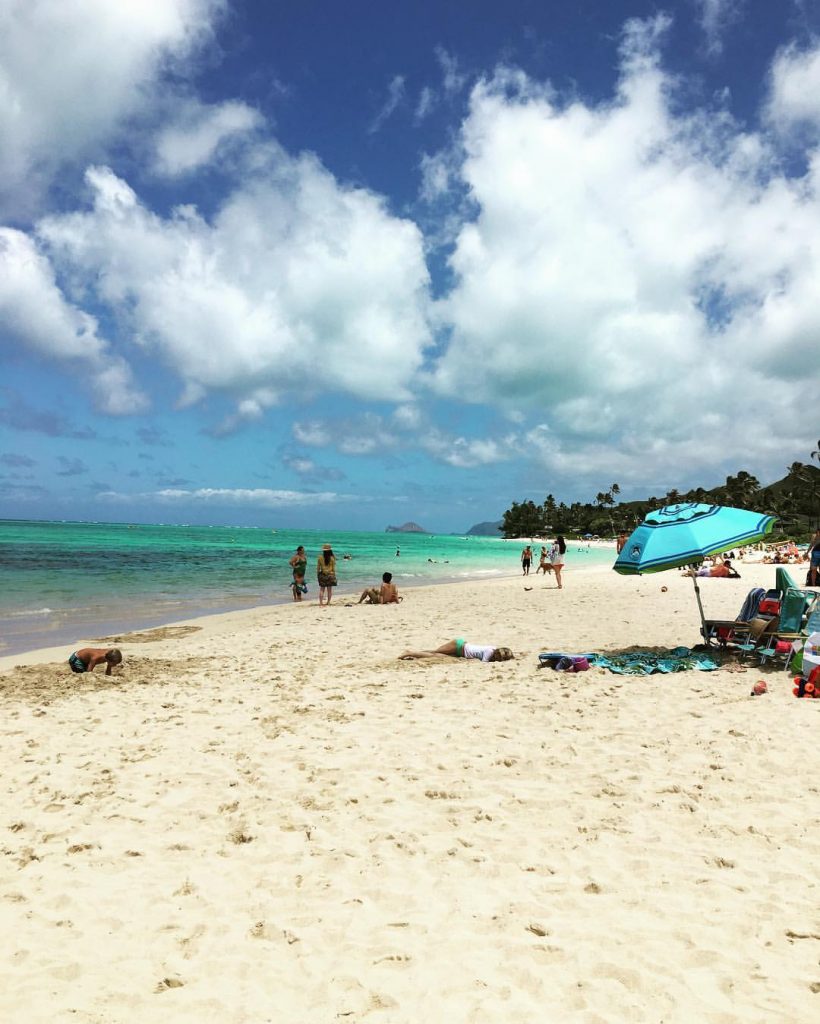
69,581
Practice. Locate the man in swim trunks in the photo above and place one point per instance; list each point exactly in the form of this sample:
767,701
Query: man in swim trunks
460,649
386,594
87,659
526,560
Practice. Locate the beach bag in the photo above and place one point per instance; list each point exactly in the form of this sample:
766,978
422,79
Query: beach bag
564,662
572,663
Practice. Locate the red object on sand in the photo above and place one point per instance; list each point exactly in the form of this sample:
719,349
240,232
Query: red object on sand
796,691
759,688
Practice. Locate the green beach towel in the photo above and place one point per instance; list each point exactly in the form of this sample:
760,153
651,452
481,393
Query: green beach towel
644,663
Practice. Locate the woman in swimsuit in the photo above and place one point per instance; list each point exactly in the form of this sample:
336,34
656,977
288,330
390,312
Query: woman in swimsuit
557,558
326,574
544,565
299,565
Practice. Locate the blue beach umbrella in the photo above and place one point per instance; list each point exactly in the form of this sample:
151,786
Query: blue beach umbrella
683,535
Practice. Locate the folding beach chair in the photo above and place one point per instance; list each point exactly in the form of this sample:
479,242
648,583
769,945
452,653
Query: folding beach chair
799,617
760,628
734,631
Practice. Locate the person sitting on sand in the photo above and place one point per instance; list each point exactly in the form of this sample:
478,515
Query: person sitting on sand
87,659
460,649
387,593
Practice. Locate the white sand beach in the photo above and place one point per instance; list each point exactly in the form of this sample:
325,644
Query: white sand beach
265,816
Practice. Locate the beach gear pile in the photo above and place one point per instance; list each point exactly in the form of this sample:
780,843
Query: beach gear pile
807,687
807,684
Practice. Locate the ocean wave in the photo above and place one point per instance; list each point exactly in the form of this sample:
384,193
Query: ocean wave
30,611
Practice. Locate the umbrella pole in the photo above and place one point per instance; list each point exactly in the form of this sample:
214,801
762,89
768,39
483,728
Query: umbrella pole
703,631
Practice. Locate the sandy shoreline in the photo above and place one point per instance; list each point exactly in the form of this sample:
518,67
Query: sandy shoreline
268,817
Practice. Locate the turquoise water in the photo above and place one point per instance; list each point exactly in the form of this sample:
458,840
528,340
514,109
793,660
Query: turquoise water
70,581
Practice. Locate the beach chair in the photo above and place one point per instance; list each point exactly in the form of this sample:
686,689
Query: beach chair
799,617
760,628
734,631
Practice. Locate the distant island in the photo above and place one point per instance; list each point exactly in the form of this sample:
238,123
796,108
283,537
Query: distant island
407,528
486,529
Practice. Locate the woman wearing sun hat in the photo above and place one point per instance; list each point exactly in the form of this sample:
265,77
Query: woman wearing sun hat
326,574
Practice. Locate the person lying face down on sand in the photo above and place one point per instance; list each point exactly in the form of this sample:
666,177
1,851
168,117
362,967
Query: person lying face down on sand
460,649
88,658
721,571
387,593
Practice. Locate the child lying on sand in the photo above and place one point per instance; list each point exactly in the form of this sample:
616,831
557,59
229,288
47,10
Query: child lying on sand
460,649
87,659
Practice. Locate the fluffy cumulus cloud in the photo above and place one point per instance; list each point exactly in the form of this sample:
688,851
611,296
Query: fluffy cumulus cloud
295,284
197,132
407,429
73,72
795,89
36,316
632,274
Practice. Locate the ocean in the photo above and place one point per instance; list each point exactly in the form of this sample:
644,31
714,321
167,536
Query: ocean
64,582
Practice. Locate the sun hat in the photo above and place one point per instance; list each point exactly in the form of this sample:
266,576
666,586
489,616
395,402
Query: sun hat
326,547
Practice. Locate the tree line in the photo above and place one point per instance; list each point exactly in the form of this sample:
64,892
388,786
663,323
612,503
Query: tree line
795,500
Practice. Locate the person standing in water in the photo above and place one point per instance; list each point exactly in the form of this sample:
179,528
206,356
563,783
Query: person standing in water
557,552
544,564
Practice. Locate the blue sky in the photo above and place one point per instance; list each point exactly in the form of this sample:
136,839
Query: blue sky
344,265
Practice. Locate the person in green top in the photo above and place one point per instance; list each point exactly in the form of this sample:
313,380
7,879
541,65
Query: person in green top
299,565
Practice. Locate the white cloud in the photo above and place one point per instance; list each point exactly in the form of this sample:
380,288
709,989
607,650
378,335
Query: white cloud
259,497
633,272
73,72
464,452
716,16
395,94
296,284
35,315
453,79
408,428
198,131
426,103
795,89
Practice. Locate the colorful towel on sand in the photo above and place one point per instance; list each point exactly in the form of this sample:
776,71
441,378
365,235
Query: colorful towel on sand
644,663
631,663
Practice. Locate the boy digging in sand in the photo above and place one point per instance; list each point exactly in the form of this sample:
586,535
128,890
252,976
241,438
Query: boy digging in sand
87,659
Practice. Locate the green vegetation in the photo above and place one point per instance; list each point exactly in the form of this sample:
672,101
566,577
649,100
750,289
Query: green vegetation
795,500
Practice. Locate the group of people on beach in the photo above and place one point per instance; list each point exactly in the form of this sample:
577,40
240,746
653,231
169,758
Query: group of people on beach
325,574
387,593
551,561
